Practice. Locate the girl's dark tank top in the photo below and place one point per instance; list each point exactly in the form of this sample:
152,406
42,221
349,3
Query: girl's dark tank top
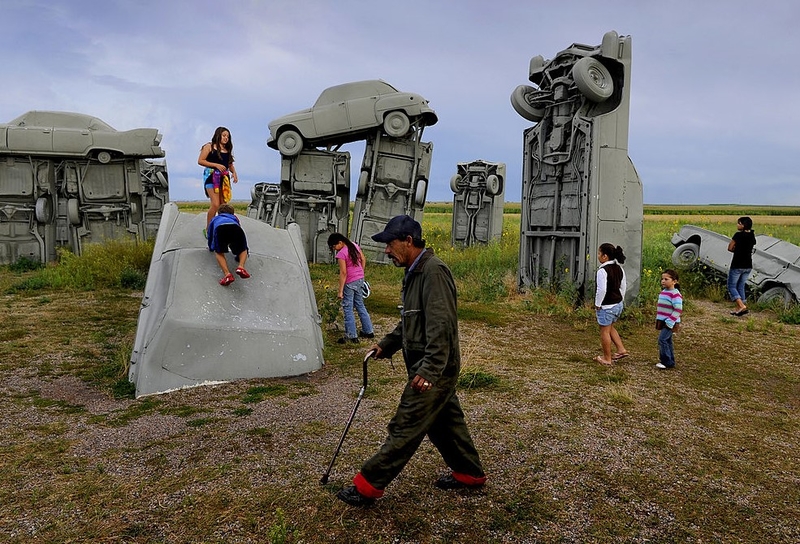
220,157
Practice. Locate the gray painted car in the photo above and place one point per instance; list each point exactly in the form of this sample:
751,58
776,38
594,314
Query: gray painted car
69,134
776,263
579,186
193,332
349,112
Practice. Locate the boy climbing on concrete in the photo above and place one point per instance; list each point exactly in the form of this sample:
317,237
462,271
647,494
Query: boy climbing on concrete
225,232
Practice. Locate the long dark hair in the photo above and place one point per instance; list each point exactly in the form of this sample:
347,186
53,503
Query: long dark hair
217,139
613,252
352,250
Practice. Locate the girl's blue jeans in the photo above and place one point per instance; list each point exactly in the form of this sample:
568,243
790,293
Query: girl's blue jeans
737,279
352,299
666,352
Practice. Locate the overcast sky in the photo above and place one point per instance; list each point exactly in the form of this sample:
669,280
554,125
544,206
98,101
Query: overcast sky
714,91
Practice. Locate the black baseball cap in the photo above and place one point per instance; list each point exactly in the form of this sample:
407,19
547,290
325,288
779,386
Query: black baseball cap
398,228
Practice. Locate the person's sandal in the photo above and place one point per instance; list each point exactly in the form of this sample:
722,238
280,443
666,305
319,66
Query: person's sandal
244,274
227,280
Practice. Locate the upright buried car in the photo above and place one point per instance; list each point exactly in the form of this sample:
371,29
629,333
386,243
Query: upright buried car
776,263
348,112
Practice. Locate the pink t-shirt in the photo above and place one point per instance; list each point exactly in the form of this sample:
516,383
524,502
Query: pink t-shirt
354,272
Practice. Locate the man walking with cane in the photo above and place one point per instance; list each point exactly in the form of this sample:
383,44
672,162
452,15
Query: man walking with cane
428,336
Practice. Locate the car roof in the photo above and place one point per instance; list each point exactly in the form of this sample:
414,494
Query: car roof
355,89
61,119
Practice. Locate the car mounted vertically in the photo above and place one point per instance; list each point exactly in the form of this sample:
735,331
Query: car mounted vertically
69,178
350,112
478,188
579,187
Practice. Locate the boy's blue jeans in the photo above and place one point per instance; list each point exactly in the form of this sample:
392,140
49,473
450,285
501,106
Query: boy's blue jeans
737,279
666,352
352,298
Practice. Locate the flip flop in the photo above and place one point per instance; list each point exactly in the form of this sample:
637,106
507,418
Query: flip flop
600,360
740,313
619,356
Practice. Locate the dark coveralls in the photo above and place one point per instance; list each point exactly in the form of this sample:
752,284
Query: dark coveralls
428,336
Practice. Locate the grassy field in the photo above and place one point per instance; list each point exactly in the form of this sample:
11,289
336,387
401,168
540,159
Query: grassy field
575,452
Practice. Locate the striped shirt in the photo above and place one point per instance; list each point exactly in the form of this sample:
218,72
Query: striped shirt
670,307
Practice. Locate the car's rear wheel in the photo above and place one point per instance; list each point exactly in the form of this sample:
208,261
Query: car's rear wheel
396,124
44,209
685,255
420,193
363,180
521,105
593,79
493,185
103,157
778,293
290,143
73,211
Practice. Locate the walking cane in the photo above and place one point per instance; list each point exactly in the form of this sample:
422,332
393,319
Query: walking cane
324,479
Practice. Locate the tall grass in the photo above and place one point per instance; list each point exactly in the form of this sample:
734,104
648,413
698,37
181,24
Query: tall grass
116,263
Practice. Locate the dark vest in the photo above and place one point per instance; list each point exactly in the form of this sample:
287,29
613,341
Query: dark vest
613,282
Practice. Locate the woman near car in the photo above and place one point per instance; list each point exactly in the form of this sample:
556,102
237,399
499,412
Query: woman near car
741,245
217,157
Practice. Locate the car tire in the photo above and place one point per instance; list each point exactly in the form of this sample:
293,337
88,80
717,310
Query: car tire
73,212
396,124
593,79
420,193
522,107
493,185
290,143
776,293
363,180
44,210
454,181
103,157
685,255
162,179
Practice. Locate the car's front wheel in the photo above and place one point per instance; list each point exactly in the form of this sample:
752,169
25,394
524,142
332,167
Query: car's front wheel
396,124
778,293
685,255
290,143
593,79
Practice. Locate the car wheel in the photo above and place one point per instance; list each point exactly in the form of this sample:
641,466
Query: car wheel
44,210
493,185
290,143
685,255
363,179
593,79
104,157
162,179
73,212
521,106
419,194
454,181
776,293
396,124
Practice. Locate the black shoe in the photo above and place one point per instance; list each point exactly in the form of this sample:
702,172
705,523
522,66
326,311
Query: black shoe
342,340
351,496
353,340
740,313
363,334
449,482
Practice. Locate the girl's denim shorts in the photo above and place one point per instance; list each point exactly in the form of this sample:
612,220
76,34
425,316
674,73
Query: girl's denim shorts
609,316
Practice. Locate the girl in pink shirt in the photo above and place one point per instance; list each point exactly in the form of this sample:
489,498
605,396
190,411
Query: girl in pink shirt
351,284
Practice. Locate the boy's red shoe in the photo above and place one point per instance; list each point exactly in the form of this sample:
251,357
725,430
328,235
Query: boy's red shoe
244,274
227,280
